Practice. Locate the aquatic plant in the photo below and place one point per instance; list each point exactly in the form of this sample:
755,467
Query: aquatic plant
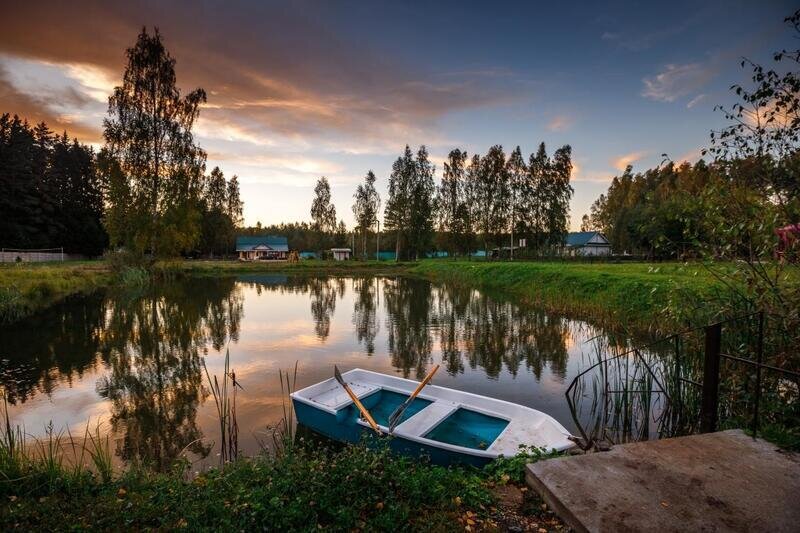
225,402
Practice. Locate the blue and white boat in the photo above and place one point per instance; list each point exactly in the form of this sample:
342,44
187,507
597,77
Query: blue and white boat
447,425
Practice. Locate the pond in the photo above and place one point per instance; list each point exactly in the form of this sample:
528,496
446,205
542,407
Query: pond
132,360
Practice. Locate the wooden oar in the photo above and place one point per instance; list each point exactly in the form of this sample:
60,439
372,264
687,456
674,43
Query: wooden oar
364,412
395,417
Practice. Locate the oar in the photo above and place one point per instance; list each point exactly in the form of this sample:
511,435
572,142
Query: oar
395,417
364,412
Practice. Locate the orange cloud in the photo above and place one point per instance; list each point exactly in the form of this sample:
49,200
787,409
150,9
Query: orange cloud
621,162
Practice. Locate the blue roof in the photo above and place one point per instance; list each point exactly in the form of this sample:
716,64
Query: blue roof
581,238
275,242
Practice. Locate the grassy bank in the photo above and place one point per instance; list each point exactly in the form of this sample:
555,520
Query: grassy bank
27,288
630,294
303,488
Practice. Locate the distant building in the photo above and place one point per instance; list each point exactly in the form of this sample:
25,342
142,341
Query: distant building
340,254
586,243
262,248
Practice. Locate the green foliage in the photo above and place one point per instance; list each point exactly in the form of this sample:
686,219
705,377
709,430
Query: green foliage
302,489
410,208
150,162
323,212
366,206
505,469
50,193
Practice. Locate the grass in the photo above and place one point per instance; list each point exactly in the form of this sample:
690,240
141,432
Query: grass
304,487
629,294
632,294
29,287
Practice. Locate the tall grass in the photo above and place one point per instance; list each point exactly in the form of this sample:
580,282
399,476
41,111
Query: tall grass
53,461
225,402
281,435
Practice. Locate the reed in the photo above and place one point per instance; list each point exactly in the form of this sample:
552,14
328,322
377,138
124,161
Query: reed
281,435
225,402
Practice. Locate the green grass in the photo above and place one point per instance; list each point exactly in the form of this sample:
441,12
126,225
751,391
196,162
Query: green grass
631,295
29,287
311,266
304,488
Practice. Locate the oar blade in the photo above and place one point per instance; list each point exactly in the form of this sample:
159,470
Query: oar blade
338,375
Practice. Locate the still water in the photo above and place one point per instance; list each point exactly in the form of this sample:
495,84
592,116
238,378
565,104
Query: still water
132,360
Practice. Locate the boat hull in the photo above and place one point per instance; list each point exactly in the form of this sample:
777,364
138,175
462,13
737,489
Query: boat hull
344,428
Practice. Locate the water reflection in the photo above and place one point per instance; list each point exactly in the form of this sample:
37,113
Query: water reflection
154,343
135,358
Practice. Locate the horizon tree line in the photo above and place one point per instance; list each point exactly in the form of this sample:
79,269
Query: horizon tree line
491,200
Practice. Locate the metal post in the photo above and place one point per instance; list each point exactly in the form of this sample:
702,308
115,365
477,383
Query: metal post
759,359
710,401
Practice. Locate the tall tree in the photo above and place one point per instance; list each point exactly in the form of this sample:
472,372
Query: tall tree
517,178
366,206
235,206
323,212
452,209
421,212
50,195
148,132
559,195
493,196
397,213
532,217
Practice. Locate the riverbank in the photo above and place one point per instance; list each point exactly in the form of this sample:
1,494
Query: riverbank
628,294
30,287
26,288
303,488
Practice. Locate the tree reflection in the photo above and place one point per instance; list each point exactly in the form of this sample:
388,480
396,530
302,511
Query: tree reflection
408,309
154,343
365,312
472,329
57,345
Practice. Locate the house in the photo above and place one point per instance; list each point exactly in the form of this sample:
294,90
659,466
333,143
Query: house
340,254
262,248
586,243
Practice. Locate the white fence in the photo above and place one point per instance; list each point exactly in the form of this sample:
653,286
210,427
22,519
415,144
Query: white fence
11,255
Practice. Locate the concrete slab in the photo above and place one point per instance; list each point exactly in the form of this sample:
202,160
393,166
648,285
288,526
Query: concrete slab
723,481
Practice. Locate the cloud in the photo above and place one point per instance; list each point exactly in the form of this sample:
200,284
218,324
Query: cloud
621,162
284,75
677,81
559,123
694,101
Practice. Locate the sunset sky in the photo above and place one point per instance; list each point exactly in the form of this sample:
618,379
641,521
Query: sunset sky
304,89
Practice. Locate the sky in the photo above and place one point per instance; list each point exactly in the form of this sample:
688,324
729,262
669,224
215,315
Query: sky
298,90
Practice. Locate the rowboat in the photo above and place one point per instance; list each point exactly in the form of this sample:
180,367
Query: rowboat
447,425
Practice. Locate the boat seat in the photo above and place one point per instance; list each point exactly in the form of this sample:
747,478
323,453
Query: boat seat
425,420
336,397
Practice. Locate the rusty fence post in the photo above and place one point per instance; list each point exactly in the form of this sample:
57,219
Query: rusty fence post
710,402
